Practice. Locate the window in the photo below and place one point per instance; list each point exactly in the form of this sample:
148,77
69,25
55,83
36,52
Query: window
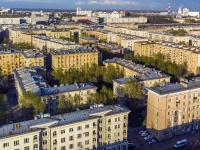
71,138
184,96
118,118
125,117
26,148
184,103
62,131
86,142
118,125
87,126
35,137
35,146
79,128
16,142
71,130
79,144
71,146
44,133
168,113
44,142
63,148
169,100
26,140
86,134
5,144
115,119
62,140
54,133
79,136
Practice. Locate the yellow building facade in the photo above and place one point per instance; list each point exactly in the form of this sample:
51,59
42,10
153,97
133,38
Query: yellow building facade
173,109
175,53
77,58
12,59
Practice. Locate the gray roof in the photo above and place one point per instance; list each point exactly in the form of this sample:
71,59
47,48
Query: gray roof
31,53
30,79
152,74
58,120
83,49
60,41
176,87
129,64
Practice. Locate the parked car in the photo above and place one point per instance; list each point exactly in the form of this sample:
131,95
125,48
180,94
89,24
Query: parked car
180,143
152,141
141,132
144,134
148,137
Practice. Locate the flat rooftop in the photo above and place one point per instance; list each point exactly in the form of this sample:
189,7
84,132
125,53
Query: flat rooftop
176,87
30,79
31,53
129,65
83,49
60,41
6,131
151,75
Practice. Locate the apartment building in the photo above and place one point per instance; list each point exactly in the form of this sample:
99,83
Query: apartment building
67,33
130,68
173,109
100,34
31,79
115,49
44,42
98,128
75,58
126,25
150,78
12,59
175,53
126,20
18,35
196,41
166,37
90,40
128,41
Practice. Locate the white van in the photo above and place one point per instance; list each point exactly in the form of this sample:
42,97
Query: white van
180,143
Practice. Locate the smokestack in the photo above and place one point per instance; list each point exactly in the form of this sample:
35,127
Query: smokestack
169,10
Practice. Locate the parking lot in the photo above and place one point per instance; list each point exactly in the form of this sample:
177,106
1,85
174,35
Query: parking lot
163,145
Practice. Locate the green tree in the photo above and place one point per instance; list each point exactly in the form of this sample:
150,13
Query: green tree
132,89
129,57
31,100
62,104
22,46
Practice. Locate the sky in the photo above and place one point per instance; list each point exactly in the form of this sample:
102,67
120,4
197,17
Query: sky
193,5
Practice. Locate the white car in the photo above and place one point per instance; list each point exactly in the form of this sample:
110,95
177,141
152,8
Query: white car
144,134
148,137
141,132
152,141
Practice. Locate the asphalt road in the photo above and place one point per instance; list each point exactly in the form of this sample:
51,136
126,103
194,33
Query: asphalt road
163,145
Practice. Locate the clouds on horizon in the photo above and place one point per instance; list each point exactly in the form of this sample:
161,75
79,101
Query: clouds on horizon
101,4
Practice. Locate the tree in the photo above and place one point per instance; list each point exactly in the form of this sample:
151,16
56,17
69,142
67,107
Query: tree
62,104
129,57
22,46
132,89
6,40
2,107
31,100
